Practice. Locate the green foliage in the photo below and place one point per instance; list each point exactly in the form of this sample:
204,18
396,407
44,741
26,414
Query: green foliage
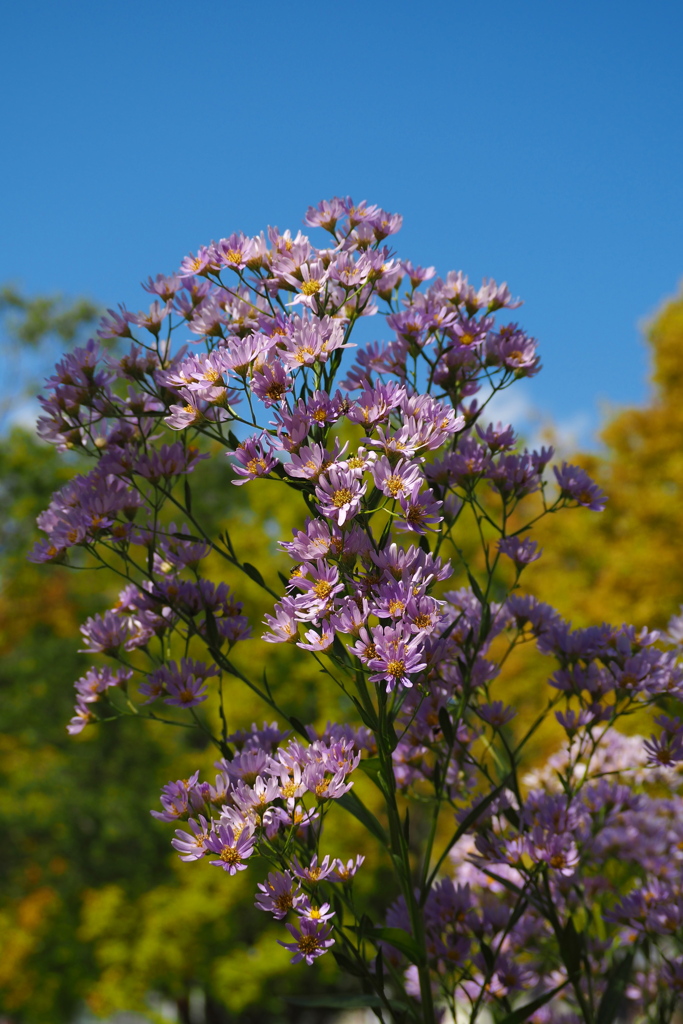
31,321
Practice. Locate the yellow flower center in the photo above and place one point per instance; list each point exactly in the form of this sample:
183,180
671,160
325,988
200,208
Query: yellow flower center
309,944
341,497
284,901
230,855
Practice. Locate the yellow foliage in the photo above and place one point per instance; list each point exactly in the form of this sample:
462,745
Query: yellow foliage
624,564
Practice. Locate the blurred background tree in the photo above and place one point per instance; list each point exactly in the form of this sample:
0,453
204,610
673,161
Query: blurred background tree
95,908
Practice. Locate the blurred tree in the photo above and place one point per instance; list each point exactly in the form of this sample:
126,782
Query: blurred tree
34,332
626,564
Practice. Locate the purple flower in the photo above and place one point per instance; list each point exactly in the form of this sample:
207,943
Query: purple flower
232,846
575,484
345,872
521,551
254,459
339,494
175,797
403,478
279,894
317,641
234,252
284,624
307,911
271,383
496,714
420,511
396,659
192,847
314,872
311,940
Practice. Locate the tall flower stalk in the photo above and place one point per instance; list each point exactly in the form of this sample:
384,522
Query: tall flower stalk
525,893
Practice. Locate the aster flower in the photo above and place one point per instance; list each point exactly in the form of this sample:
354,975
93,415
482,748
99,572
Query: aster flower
393,481
311,460
339,494
311,283
420,511
97,680
496,714
311,940
279,894
314,641
175,799
200,264
396,658
344,872
522,551
284,624
575,484
308,911
271,383
192,847
234,252
232,850
185,691
325,214
314,872
254,458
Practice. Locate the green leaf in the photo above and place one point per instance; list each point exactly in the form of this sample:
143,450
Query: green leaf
211,630
401,940
478,592
355,806
253,573
524,1012
479,808
299,726
341,652
347,965
372,768
364,717
391,737
336,1001
612,1002
571,947
188,496
449,629
339,1001
446,726
485,626
379,970
488,955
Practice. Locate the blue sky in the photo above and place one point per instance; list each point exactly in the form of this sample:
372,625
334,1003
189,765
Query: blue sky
535,142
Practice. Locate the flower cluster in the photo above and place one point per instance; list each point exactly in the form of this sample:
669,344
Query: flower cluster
246,350
269,799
